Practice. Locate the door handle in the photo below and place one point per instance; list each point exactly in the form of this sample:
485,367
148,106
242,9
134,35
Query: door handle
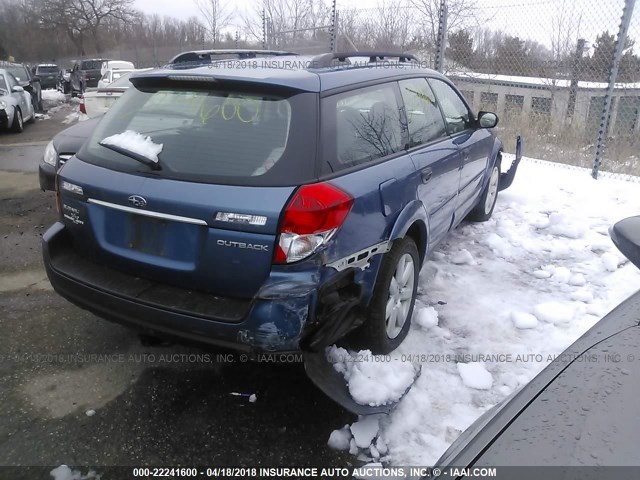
426,175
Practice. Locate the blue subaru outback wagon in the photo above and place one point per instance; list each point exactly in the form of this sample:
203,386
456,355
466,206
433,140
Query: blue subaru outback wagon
274,205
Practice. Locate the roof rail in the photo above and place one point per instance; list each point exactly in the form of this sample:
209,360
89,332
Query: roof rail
327,59
205,56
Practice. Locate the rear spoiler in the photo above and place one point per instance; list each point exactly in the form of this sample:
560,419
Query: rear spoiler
506,178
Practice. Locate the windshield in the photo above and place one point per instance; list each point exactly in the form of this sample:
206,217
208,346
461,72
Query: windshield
119,74
3,83
19,73
122,81
48,69
227,136
91,65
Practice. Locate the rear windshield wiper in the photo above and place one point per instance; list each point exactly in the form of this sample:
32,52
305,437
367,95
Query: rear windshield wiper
131,154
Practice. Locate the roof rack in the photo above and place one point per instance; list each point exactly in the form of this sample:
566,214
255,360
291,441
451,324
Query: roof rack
205,56
327,59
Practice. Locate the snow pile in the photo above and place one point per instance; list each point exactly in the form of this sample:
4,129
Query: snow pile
75,117
135,142
524,320
533,279
475,375
63,472
361,439
53,96
426,317
372,382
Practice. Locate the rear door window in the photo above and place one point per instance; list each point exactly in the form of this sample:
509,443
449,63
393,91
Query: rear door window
361,126
424,119
222,136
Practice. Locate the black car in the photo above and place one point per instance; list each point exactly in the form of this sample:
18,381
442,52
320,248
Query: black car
27,81
63,146
580,411
85,74
48,75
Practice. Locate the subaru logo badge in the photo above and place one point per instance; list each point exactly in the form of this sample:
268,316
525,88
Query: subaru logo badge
137,201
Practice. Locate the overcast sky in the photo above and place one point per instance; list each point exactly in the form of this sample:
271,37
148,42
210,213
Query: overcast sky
534,19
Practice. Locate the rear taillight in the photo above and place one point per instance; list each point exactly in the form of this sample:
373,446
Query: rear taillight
82,109
311,218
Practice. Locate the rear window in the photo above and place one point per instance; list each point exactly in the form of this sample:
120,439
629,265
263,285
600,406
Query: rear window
48,69
90,65
224,136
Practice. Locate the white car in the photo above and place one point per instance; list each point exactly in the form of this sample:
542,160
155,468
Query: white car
111,75
116,65
97,102
15,104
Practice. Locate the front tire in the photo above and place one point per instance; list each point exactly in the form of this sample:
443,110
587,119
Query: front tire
17,126
389,312
484,209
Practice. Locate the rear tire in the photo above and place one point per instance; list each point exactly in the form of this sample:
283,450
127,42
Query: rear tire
389,312
17,126
484,209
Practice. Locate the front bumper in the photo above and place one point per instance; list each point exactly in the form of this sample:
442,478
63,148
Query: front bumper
47,176
4,119
280,318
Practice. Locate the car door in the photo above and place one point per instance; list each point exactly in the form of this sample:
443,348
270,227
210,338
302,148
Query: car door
18,97
74,78
434,154
473,143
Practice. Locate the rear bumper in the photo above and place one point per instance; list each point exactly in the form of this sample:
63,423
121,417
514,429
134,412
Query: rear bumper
48,83
276,320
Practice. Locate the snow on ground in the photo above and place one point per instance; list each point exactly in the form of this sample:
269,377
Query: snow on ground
51,96
136,143
371,383
497,301
75,117
63,472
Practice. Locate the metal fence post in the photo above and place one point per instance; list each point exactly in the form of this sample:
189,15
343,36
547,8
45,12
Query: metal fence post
334,27
264,29
627,12
441,41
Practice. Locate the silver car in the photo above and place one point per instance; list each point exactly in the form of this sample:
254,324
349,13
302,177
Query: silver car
15,104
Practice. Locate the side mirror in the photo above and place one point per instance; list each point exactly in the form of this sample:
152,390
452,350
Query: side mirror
17,89
487,119
626,236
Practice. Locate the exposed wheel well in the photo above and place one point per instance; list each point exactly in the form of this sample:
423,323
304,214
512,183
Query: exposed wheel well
418,233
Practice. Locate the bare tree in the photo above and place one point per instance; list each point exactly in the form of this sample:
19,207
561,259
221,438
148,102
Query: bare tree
461,14
217,15
565,30
93,13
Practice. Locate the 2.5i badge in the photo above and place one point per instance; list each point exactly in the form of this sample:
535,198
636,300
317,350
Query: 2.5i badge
72,214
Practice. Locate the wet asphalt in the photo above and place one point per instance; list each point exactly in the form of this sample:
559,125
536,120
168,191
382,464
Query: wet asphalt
80,391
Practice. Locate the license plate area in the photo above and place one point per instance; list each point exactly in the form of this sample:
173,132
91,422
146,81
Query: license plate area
148,235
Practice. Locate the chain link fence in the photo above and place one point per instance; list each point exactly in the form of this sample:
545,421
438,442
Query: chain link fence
543,65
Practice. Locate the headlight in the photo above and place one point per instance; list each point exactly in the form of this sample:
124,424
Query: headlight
3,104
50,154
